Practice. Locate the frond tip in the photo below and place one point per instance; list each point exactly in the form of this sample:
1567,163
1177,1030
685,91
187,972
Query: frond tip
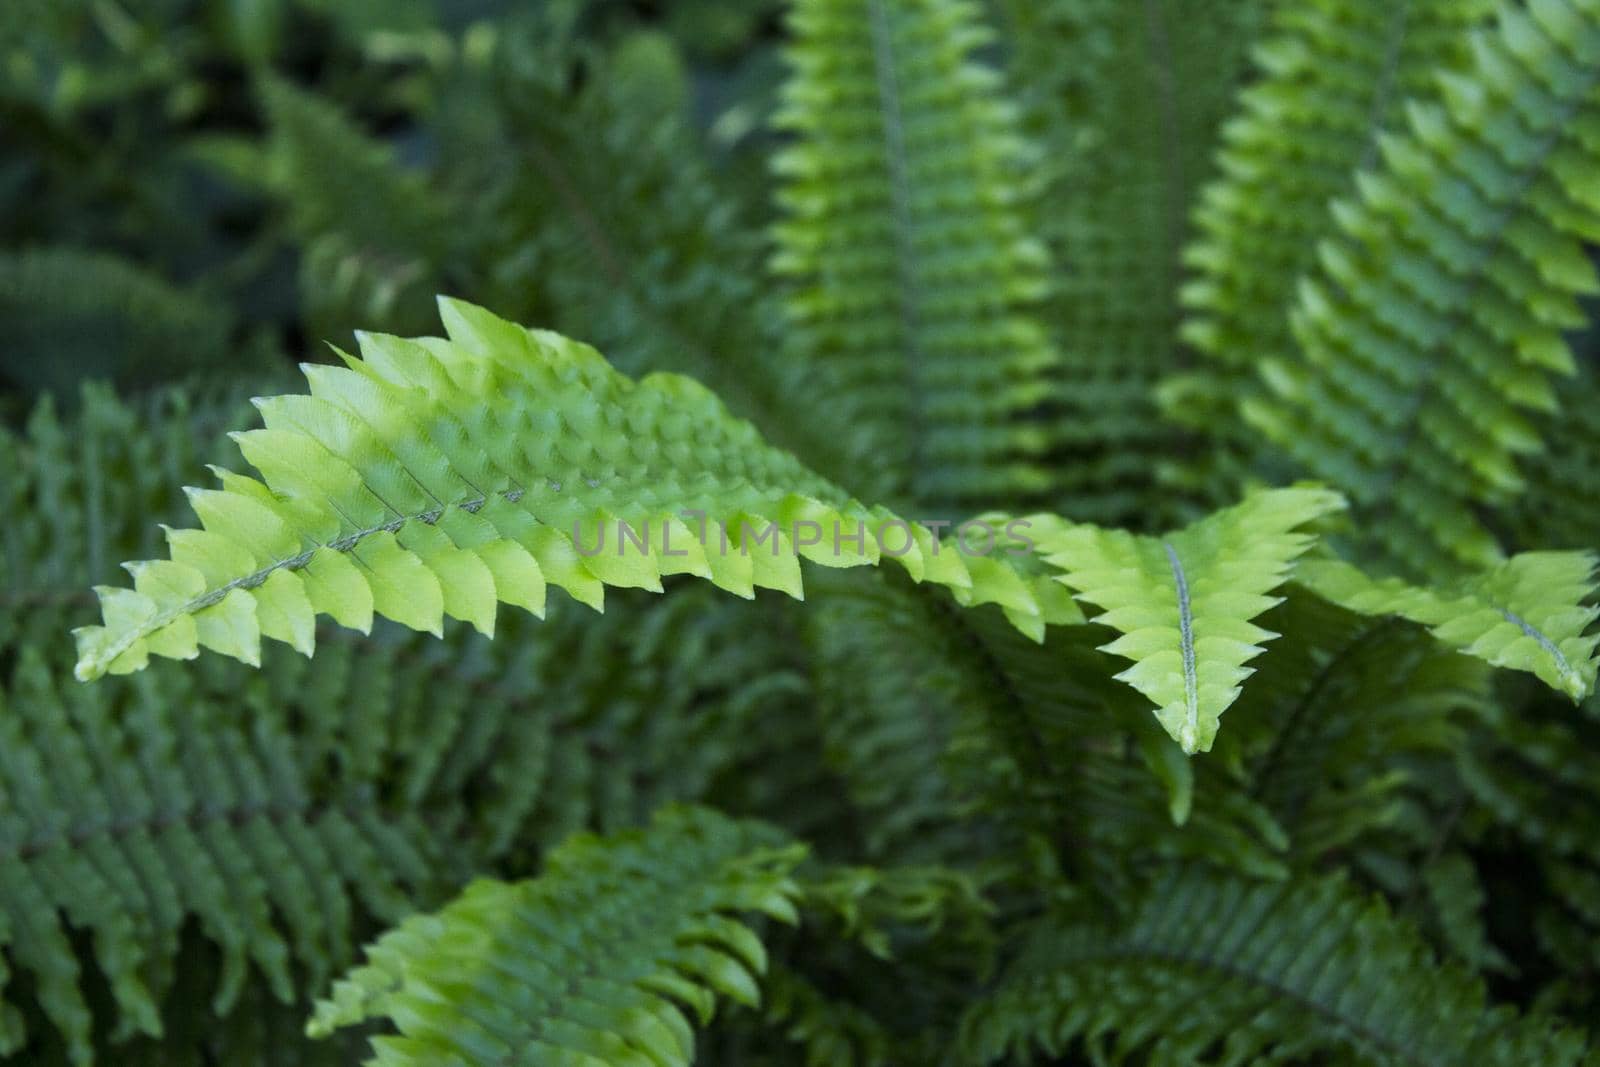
1183,602
1528,613
594,962
439,477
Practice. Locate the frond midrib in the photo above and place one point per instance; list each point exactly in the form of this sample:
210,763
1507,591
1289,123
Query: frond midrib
908,302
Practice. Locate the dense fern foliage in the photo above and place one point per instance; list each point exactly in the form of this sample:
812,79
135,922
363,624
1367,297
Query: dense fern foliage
920,533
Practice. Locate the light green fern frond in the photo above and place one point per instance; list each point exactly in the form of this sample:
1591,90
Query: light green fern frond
911,274
1530,613
594,962
1335,76
1217,970
1183,602
1432,327
437,477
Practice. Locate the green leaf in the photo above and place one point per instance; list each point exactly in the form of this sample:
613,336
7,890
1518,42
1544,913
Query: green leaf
440,477
537,972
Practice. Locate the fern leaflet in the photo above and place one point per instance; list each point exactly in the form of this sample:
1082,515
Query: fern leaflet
591,963
1183,602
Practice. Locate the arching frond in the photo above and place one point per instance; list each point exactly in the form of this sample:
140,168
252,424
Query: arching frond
439,477
911,274
593,962
1216,970
1431,331
454,758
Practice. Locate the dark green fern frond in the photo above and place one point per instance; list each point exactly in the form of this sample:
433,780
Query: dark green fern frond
1337,714
69,314
1561,506
257,1030
1431,329
129,821
1126,99
1216,970
83,488
829,1033
596,961
911,277
1075,759
375,240
1334,79
896,686
605,205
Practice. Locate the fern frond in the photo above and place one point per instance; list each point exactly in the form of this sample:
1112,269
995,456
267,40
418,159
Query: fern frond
69,314
1334,79
1339,716
375,239
1530,613
1534,774
604,202
1431,329
1216,970
1561,506
1076,759
439,477
455,758
1125,100
896,686
911,277
1456,894
593,962
1183,602
258,1030
122,823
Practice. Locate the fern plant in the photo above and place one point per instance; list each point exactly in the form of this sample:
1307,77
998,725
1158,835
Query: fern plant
1135,604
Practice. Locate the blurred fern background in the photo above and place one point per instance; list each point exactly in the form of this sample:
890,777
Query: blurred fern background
209,189
1012,863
